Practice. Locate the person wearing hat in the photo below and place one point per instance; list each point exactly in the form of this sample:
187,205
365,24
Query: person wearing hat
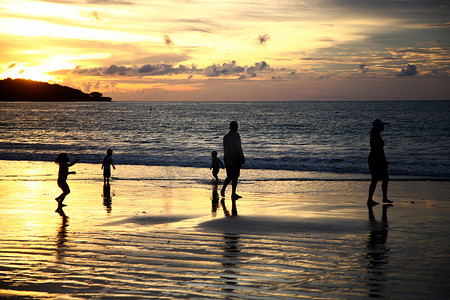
378,164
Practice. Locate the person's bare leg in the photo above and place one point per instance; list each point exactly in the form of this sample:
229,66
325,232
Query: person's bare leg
384,188
66,191
234,183
225,184
372,188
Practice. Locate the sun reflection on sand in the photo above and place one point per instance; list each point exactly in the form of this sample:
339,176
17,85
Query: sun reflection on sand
188,242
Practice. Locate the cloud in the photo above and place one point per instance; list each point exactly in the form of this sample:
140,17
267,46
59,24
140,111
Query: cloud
214,70
327,40
446,24
109,2
408,70
95,14
363,68
245,77
314,58
228,69
168,41
113,69
259,67
263,39
78,2
199,30
223,70
163,69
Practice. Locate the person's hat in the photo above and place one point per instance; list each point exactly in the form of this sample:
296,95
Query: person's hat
378,122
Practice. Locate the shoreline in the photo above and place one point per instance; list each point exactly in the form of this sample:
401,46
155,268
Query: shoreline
126,171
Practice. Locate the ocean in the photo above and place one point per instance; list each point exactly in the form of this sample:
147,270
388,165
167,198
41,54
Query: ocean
319,137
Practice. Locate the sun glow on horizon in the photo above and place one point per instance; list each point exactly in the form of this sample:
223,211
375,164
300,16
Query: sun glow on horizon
193,48
36,74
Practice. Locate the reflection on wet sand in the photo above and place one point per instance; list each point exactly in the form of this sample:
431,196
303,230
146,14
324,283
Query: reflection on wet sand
214,200
61,236
107,199
230,260
231,248
215,204
377,253
163,243
226,211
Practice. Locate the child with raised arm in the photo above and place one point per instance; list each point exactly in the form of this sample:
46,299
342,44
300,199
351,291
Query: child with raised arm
63,160
216,164
106,166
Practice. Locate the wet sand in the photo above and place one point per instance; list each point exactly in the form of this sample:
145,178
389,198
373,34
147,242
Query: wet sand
166,239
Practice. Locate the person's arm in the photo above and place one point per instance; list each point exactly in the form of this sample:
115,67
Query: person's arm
225,151
242,152
74,162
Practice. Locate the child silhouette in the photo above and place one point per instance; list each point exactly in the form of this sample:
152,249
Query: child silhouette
216,164
63,160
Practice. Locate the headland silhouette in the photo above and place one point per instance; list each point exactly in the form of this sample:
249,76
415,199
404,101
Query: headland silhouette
30,90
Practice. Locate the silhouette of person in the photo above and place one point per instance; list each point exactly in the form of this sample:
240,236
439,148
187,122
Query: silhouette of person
216,165
378,164
234,158
106,166
63,160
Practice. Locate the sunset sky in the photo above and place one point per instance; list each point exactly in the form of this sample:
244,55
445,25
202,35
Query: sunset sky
232,50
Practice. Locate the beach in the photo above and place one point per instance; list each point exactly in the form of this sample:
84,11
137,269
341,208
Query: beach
171,236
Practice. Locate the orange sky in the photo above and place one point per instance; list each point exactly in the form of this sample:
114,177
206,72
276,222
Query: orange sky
231,50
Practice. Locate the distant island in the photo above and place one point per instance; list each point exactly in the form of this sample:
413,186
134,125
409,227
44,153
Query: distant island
30,90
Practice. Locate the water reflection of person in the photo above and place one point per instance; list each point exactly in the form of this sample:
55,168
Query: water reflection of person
231,248
214,200
230,260
107,199
377,253
61,236
215,204
226,211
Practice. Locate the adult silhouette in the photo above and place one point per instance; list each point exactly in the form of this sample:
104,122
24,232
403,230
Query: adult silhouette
234,158
378,164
